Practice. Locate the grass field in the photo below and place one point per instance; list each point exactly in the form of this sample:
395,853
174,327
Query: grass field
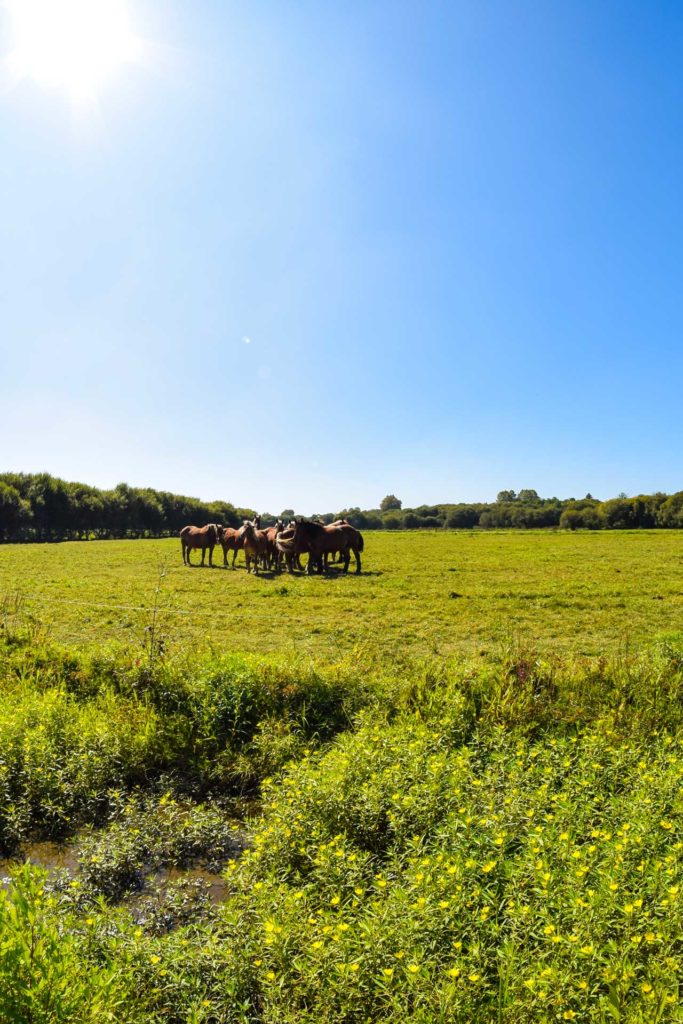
449,790
424,593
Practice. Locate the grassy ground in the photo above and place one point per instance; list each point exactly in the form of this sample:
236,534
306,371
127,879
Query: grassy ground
426,593
431,835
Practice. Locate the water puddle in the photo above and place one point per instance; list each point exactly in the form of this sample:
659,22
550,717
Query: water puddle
61,861
214,884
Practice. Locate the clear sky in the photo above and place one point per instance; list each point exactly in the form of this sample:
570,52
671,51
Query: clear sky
303,254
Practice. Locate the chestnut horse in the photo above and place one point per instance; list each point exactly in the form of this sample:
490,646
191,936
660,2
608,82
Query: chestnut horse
255,544
319,540
231,541
200,537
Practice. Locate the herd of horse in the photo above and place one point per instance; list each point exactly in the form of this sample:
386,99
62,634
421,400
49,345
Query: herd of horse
275,546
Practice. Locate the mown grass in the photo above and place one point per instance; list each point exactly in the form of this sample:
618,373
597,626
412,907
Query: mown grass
436,837
426,593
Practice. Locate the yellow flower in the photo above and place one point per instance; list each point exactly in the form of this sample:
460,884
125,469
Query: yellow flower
568,1015
154,959
413,968
354,967
270,975
454,972
335,901
646,987
388,972
473,978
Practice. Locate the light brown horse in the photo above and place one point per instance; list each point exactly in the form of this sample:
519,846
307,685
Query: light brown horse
202,537
231,541
255,544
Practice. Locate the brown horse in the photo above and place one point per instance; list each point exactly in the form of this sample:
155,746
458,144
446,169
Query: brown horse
255,544
200,537
287,548
320,541
230,541
274,556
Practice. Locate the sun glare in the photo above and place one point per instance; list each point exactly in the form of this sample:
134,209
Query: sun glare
72,45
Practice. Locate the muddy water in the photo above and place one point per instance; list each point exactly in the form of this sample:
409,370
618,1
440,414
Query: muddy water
216,885
60,858
54,857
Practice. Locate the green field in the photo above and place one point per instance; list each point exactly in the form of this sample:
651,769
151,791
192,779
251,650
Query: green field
447,790
420,593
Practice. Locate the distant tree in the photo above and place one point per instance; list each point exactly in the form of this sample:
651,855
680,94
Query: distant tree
353,516
464,517
618,513
504,496
392,522
14,511
373,521
528,496
410,521
571,519
287,513
670,512
390,502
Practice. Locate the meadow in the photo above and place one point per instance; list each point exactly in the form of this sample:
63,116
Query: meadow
423,593
448,789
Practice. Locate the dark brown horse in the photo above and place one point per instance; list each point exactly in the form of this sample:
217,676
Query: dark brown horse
319,540
231,541
202,537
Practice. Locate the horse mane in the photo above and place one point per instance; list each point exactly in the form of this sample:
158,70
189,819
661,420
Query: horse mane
311,525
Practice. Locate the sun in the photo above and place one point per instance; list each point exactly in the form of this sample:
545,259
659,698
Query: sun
71,45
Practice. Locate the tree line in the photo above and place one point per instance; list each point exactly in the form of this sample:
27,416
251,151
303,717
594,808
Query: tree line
41,507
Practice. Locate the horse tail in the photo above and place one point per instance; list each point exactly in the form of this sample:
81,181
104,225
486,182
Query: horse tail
361,545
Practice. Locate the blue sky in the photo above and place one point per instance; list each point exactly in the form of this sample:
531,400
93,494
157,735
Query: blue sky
451,233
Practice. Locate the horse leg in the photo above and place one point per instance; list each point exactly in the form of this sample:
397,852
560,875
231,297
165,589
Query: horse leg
347,559
183,547
210,556
356,552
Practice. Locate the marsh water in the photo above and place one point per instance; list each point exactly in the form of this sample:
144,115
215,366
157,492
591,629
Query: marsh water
62,860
